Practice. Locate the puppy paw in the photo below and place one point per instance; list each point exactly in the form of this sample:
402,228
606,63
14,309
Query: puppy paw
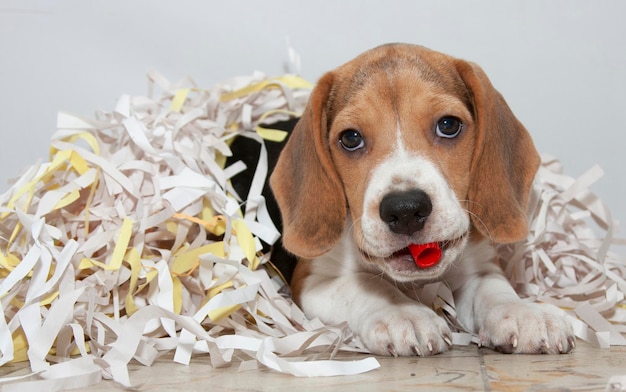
527,328
404,330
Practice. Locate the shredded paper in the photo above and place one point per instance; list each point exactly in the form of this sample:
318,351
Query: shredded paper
131,243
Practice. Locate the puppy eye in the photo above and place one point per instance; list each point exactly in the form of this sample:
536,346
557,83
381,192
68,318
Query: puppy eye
351,140
449,127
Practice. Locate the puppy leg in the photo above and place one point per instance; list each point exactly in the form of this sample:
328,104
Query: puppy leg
386,321
486,303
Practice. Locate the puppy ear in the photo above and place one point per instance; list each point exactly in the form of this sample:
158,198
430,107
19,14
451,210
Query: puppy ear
306,185
504,164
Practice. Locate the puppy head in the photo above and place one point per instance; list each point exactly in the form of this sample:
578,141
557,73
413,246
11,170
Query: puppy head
402,130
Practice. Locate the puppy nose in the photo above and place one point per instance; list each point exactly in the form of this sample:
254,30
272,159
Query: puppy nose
405,212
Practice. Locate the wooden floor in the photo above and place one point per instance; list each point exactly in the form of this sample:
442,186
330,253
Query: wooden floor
466,368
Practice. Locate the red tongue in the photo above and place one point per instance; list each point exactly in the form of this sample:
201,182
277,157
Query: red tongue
425,255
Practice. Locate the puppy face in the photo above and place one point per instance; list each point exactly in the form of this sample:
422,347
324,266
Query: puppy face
404,145
397,138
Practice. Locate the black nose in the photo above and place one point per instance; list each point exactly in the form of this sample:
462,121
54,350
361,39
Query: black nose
405,212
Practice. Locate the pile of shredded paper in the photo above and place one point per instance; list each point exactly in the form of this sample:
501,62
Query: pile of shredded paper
130,243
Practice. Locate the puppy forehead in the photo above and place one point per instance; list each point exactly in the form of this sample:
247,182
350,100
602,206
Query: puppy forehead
394,69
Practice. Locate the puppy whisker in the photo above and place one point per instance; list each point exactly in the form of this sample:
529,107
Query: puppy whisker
476,218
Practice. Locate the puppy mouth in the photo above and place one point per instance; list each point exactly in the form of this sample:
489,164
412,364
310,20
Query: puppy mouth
406,260
433,259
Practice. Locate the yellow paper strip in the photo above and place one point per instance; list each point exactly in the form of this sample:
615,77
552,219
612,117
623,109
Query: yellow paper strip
123,239
89,138
59,160
218,314
68,199
178,294
216,225
134,260
122,243
78,163
188,261
291,81
150,275
274,135
246,241
213,291
179,100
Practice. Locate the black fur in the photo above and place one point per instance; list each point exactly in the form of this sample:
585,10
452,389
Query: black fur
247,150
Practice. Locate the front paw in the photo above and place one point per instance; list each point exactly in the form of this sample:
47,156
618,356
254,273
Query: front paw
403,330
527,328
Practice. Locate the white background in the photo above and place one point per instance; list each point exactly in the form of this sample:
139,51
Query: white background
560,64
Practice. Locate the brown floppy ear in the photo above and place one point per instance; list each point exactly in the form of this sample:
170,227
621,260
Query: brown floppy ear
306,185
504,164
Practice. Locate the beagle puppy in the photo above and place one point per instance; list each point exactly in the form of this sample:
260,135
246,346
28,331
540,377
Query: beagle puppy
404,146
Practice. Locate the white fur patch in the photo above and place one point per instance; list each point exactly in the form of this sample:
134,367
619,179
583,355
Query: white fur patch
403,172
447,223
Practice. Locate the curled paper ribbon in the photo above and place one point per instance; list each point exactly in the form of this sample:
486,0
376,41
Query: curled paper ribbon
130,243
567,260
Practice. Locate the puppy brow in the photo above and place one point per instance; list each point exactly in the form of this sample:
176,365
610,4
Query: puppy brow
343,92
346,88
367,70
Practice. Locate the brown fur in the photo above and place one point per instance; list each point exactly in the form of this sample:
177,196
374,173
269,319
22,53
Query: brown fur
490,168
